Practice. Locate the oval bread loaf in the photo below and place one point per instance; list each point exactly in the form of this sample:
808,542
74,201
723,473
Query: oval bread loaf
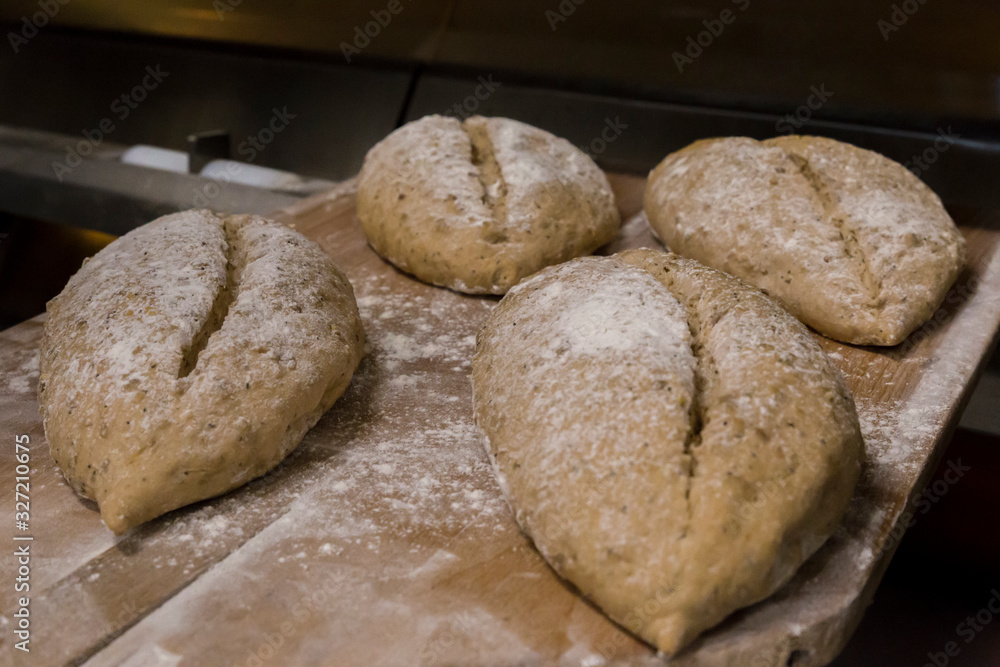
673,441
190,356
850,242
476,205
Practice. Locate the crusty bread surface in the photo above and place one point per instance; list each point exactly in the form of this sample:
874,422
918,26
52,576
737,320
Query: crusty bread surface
477,205
673,441
190,356
850,242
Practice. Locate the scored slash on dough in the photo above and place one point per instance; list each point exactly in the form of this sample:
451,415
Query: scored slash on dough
226,295
839,218
490,176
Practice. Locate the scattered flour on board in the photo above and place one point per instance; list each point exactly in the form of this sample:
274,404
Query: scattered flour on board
893,431
25,376
152,655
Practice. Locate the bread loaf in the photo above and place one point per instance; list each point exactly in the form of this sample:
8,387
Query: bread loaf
850,242
673,441
190,356
476,205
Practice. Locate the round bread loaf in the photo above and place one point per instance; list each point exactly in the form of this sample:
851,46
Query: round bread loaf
850,242
477,205
674,442
190,356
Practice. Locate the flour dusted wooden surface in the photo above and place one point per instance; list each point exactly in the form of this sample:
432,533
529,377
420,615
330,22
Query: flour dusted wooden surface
384,539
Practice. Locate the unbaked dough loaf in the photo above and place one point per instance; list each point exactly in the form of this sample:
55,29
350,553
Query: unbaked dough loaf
674,442
477,205
190,356
851,243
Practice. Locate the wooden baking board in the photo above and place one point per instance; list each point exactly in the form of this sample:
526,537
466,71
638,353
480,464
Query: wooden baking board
384,539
